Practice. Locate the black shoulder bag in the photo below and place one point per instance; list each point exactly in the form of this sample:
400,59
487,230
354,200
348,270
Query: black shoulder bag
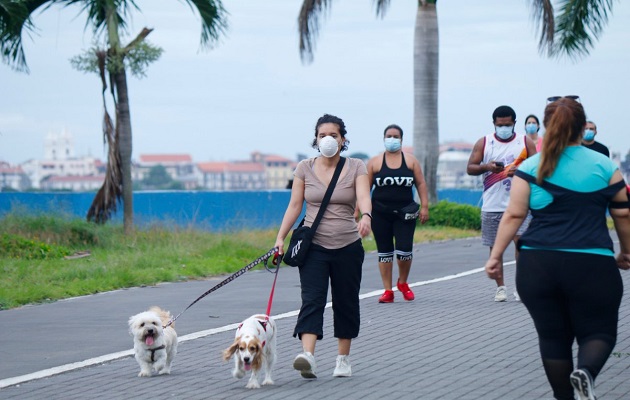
302,236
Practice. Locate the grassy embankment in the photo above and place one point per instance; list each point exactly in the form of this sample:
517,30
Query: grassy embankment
34,253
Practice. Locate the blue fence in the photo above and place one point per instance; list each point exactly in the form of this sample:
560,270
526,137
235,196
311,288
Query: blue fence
213,211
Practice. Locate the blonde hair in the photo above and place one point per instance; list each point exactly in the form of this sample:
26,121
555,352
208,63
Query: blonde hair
564,123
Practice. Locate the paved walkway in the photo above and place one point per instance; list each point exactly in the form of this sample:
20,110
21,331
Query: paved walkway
452,342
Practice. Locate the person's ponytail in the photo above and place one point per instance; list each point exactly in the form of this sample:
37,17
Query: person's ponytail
564,122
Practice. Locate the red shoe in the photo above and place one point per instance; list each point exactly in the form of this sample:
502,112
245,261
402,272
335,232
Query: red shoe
406,292
387,297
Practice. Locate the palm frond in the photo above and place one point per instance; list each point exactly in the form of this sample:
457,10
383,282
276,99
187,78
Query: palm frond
15,21
543,16
572,29
106,200
213,20
579,25
97,11
308,26
381,7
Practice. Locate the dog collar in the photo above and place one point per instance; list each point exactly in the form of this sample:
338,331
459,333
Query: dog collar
154,350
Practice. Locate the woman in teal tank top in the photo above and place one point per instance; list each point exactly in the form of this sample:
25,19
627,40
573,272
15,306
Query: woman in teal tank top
567,274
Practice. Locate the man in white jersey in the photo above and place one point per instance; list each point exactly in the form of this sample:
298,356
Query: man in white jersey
497,156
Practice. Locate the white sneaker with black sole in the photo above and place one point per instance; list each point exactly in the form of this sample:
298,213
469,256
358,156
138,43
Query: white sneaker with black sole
343,368
582,382
305,363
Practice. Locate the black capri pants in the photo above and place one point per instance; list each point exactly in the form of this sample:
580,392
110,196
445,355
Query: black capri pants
386,227
343,268
570,296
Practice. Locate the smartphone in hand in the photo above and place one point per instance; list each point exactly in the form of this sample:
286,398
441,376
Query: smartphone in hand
499,164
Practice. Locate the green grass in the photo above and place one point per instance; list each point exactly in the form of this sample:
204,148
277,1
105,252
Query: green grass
34,270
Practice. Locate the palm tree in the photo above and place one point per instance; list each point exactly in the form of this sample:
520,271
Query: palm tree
425,75
107,19
573,31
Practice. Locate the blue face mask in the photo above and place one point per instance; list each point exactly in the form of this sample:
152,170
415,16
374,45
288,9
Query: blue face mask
504,132
589,135
392,144
531,128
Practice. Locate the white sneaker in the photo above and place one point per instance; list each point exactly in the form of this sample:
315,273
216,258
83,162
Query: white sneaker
517,297
305,363
583,384
343,368
501,294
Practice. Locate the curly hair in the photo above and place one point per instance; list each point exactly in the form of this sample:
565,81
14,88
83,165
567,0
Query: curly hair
331,119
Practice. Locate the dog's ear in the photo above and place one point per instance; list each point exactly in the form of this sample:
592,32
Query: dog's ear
229,352
257,361
131,322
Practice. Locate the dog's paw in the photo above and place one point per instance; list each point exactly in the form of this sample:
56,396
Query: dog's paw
238,374
252,385
165,371
144,374
268,381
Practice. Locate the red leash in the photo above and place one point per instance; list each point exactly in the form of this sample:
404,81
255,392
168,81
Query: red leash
275,262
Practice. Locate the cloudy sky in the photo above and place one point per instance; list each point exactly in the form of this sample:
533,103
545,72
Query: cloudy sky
252,93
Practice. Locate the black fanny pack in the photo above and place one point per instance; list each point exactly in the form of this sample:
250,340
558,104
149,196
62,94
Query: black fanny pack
409,212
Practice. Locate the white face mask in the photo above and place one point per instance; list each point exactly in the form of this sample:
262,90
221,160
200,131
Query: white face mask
328,146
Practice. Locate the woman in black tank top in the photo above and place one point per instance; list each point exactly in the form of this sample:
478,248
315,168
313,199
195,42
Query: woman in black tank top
393,176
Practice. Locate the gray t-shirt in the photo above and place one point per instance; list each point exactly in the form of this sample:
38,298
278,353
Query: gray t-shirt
337,228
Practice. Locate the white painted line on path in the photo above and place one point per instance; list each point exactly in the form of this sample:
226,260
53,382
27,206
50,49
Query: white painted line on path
197,335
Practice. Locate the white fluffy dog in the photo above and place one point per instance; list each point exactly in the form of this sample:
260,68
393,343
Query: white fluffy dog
254,348
155,346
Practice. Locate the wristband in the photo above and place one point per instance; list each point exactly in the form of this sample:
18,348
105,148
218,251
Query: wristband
368,214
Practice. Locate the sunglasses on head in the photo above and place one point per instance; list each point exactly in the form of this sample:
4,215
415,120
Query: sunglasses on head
556,98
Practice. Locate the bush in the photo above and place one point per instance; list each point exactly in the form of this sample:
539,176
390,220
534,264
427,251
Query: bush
14,246
56,229
462,216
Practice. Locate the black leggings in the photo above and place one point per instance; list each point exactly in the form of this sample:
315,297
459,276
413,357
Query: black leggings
570,296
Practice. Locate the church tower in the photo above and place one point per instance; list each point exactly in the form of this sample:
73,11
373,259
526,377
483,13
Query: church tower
59,146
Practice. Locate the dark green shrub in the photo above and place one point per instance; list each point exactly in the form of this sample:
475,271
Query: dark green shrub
455,215
83,234
14,246
55,229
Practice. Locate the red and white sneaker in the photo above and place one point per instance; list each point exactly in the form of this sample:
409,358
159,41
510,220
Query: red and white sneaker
406,292
387,297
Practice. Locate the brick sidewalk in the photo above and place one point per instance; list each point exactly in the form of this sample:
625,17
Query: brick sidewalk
452,342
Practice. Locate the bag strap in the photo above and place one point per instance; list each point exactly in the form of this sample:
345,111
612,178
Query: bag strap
328,195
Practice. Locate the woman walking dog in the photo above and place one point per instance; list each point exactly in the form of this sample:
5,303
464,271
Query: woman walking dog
336,253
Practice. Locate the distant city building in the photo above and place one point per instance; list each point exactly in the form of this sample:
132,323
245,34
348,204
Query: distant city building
73,183
278,169
59,160
452,164
180,167
59,146
232,176
61,169
13,178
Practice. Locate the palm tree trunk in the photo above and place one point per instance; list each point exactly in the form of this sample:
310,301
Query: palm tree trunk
426,68
123,122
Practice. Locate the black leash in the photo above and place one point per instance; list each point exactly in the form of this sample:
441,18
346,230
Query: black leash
263,258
